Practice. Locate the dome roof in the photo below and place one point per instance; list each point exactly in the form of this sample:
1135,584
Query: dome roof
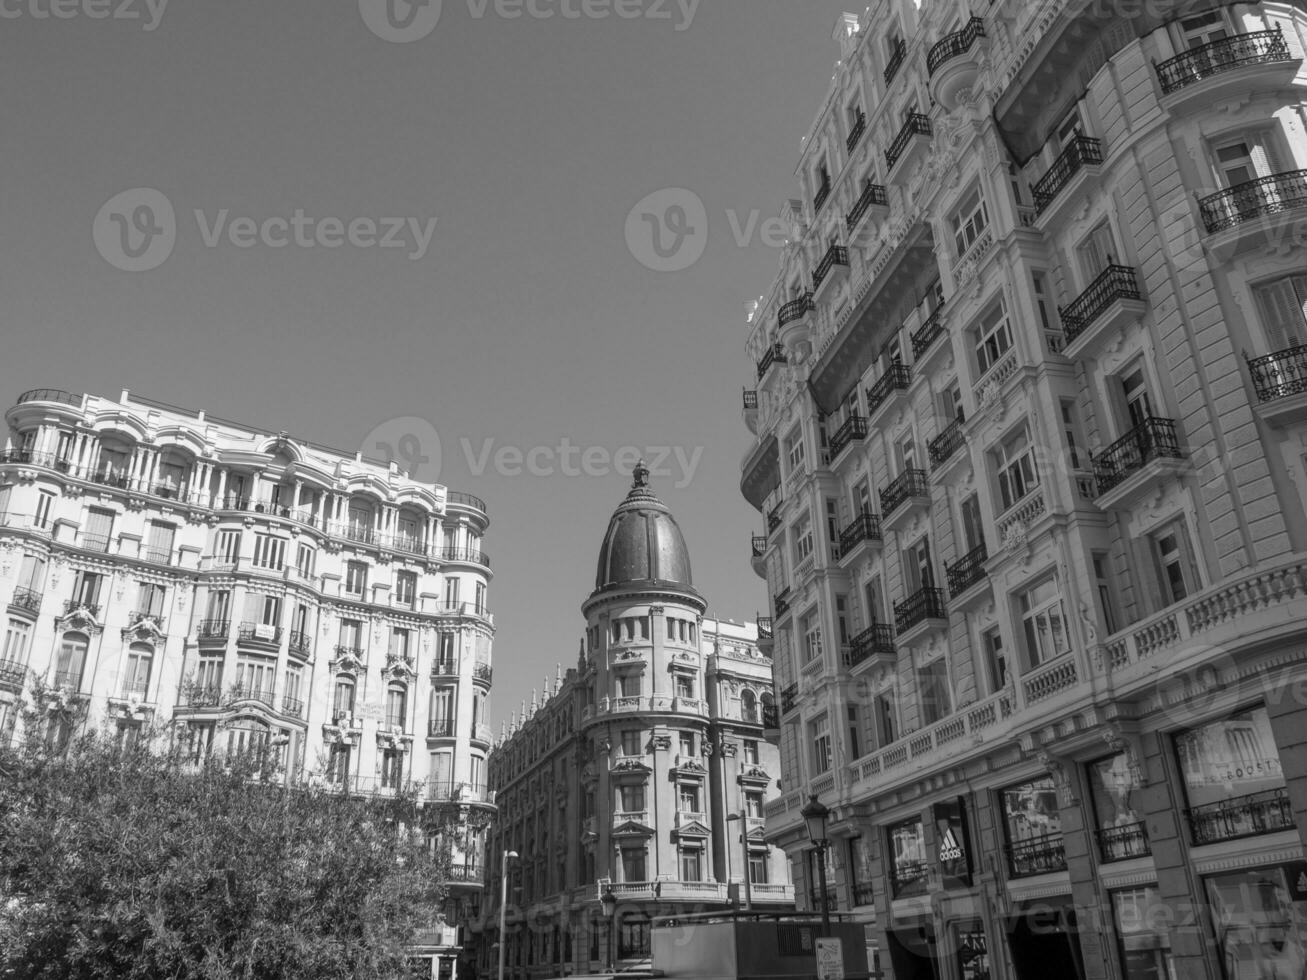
643,545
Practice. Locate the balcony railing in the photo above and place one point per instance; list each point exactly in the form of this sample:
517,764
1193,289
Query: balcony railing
440,728
774,519
864,893
871,194
68,679
204,697
865,527
966,571
12,672
795,309
259,633
1254,199
915,125
1152,439
897,378
50,395
926,603
72,605
465,556
348,650
895,61
930,331
444,668
1280,374
954,45
910,878
293,707
244,692
944,445
789,697
876,638
27,599
764,628
750,400
1114,283
835,255
771,717
1257,47
1081,151
95,542
822,195
855,134
782,603
909,483
1123,843
483,672
775,355
832,898
1037,856
158,556
758,545
213,629
466,500
853,430
1243,816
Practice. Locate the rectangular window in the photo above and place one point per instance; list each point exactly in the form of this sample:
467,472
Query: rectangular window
750,750
1096,252
907,853
631,743
795,450
631,797
1134,394
973,528
256,678
691,864
1282,305
630,684
1259,926
227,547
886,719
810,628
633,860
855,732
218,609
86,589
150,599
1034,827
1115,788
1177,572
1043,618
44,505
1017,473
993,339
99,530
932,689
451,593
689,798
406,588
160,543
995,659
842,618
304,560
351,635
1233,758
356,578
396,709
208,679
820,738
136,672
399,645
1145,945
917,573
968,222
269,552
1106,592
17,635
70,663
803,543
1074,433
684,686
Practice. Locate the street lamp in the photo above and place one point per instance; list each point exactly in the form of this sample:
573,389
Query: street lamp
744,846
815,815
609,902
503,906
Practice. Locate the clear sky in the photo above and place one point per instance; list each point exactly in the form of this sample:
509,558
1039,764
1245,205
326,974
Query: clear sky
525,320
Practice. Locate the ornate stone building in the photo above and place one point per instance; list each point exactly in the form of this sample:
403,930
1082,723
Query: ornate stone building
1029,419
644,770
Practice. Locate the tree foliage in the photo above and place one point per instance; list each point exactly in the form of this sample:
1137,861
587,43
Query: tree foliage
138,863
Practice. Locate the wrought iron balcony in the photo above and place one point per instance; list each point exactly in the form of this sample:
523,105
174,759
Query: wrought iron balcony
158,556
466,500
1116,282
1080,152
771,717
871,194
301,642
72,605
910,483
895,61
1254,199
258,633
1257,47
750,400
484,673
28,600
966,571
897,378
853,430
944,445
204,697
1278,375
865,527
245,692
855,134
293,707
68,680
789,698
864,893
213,629
440,728
781,602
54,395
758,545
916,124
832,898
775,355
954,45
774,519
1037,856
1150,440
822,195
764,628
12,673
926,603
1123,843
95,542
910,878
795,309
465,556
878,638
444,668
926,335
835,255
1243,816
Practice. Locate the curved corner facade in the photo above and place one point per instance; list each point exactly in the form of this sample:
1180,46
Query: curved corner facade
1029,453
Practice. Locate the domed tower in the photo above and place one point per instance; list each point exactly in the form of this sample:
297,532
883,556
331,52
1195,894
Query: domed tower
647,717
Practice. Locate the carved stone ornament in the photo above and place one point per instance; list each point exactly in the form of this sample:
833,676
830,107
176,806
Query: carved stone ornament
1015,535
1062,777
661,743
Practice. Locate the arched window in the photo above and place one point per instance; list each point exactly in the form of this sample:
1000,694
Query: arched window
749,706
342,705
248,736
136,675
71,661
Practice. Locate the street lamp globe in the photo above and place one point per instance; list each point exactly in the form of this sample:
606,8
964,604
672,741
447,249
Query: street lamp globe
815,815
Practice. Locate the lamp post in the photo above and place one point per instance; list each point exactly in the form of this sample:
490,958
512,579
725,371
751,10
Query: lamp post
609,902
744,846
503,907
815,815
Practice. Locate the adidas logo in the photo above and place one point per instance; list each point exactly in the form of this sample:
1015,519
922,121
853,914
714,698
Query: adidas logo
949,848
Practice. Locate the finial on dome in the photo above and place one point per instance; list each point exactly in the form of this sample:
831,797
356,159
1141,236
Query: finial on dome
640,475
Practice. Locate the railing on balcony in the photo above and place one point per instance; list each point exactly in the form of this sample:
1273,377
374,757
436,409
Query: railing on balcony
782,603
771,717
95,542
855,134
484,673
966,571
897,378
1037,856
926,603
1281,374
832,898
910,878
944,445
347,650
876,638
72,605
466,873
12,672
1243,816
1254,48
750,400
775,355
795,309
764,628
69,679
26,599
293,707
1114,283
1151,439
440,728
301,642
444,668
158,556
864,894
259,633
954,45
466,500
910,483
871,194
213,629
465,556
1254,199
835,255
930,331
1080,152
774,519
1123,843
789,698
853,430
244,692
865,527
895,61
916,124
204,697
822,195
50,395
758,545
